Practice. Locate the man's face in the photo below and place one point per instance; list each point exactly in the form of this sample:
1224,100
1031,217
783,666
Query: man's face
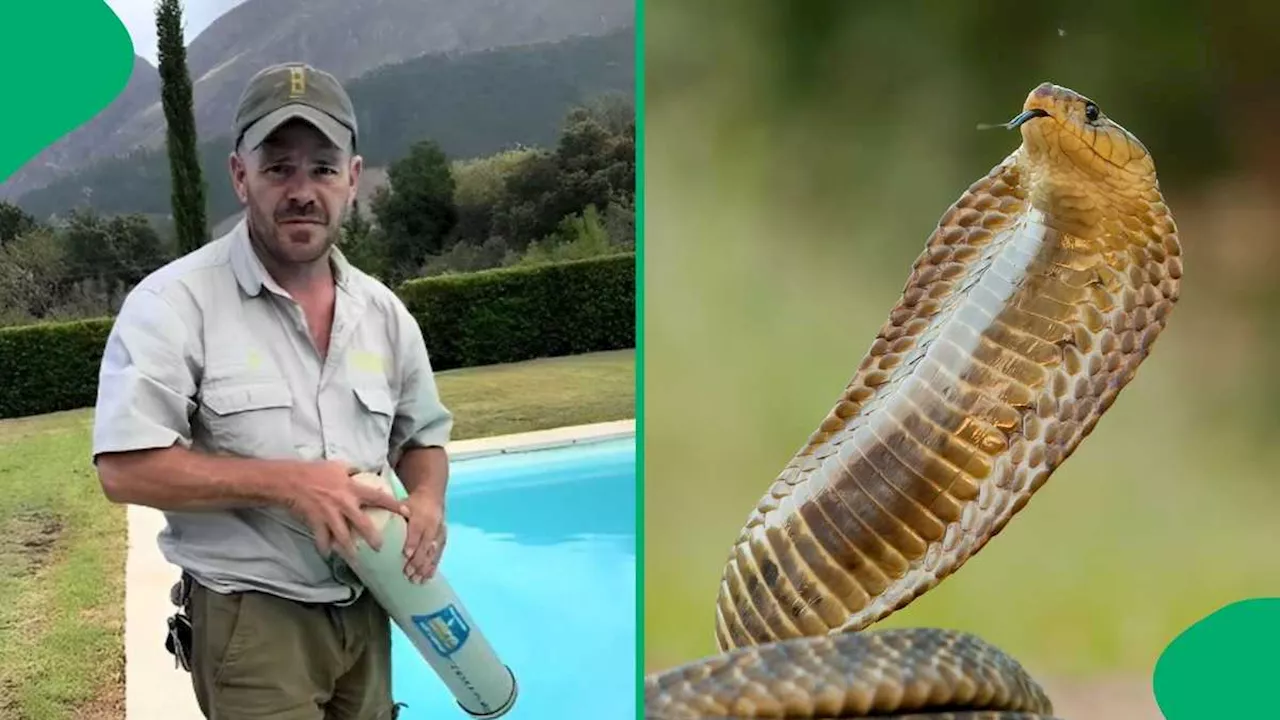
297,188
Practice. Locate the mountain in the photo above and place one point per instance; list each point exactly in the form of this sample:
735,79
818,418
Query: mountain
345,37
472,104
100,137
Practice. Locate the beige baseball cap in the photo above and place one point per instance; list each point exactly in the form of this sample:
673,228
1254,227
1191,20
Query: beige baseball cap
287,91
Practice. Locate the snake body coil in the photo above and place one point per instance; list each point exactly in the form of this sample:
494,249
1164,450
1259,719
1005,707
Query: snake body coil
1035,300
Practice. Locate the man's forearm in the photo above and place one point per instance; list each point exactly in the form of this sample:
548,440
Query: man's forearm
424,471
178,479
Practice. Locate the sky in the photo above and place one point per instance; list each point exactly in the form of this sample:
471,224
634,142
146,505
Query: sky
139,17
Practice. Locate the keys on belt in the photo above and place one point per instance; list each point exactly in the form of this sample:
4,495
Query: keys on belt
178,639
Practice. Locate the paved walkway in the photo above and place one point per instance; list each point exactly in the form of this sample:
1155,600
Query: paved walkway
154,688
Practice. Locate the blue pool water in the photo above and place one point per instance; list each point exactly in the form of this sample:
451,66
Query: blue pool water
541,552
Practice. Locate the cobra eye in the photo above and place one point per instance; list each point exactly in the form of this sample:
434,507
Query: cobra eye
1091,112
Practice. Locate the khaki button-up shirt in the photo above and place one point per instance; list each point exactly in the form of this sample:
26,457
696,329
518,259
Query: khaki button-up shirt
210,353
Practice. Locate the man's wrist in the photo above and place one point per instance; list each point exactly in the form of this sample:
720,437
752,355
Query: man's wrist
424,472
281,486
428,494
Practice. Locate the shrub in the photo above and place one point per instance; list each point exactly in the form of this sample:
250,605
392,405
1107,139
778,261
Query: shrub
50,366
493,316
525,312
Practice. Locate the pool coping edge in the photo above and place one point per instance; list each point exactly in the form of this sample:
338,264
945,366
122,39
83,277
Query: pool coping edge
541,439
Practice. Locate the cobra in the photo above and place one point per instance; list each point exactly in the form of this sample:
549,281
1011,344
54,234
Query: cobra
1035,300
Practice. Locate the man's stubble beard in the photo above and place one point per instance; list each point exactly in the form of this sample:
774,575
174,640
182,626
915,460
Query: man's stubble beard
264,234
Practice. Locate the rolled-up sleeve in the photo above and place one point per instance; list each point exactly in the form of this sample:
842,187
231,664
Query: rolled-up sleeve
146,383
422,420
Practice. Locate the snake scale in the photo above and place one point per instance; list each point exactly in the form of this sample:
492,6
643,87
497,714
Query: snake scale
1036,298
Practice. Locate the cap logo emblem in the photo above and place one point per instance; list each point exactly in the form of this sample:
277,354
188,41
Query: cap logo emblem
297,82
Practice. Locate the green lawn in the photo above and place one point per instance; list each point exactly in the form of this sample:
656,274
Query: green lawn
62,546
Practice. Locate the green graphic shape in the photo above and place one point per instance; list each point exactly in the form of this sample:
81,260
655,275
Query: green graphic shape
63,61
1223,665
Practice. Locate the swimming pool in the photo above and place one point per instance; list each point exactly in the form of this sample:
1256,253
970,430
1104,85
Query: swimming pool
542,553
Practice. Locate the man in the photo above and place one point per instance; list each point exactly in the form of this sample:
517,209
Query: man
241,386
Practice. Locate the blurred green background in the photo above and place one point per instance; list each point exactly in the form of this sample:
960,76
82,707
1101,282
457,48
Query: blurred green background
798,155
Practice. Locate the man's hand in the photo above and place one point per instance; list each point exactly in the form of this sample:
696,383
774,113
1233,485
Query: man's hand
332,503
424,537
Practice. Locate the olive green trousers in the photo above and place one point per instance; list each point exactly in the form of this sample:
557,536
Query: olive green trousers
255,655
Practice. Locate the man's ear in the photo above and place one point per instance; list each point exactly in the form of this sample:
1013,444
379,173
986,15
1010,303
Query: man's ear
357,164
239,170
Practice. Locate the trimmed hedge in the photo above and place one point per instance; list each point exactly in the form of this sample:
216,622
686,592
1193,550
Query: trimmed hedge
521,313
482,318
50,366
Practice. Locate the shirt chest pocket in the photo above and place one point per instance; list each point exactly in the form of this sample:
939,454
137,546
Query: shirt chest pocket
375,413
248,418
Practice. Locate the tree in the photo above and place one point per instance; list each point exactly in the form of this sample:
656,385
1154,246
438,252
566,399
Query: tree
14,222
363,245
188,191
480,188
593,163
113,252
532,202
32,275
416,209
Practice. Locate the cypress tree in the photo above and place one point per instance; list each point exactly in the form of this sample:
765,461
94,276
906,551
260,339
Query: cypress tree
188,191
